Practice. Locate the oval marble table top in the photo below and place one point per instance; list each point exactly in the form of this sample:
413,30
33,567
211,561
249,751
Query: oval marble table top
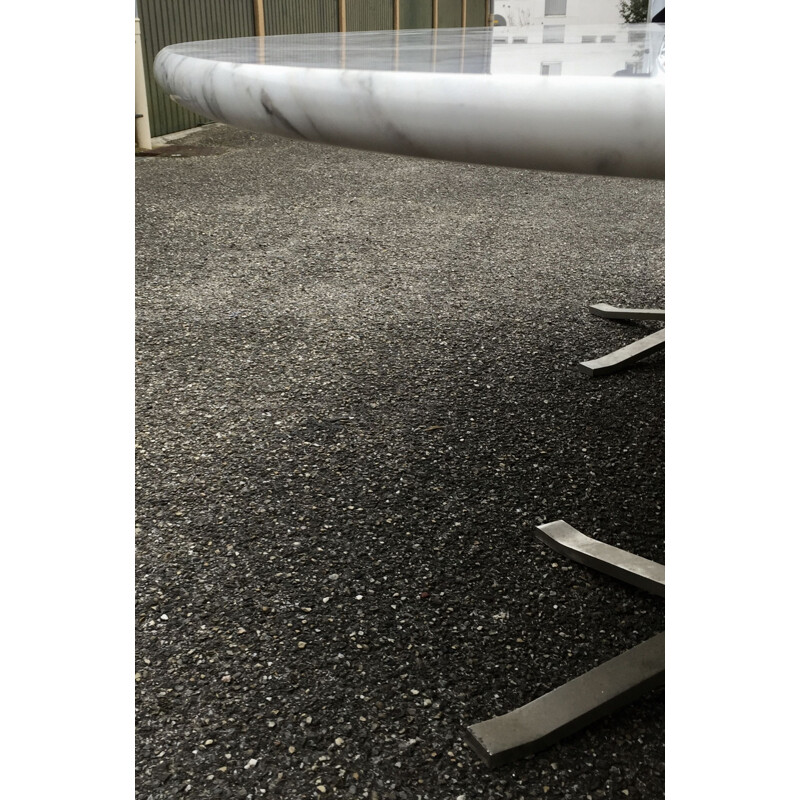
592,103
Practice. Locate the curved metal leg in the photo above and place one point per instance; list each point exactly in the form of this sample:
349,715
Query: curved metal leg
615,312
598,692
625,356
635,570
595,694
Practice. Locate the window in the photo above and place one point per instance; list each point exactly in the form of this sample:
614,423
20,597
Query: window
634,68
555,8
550,68
588,39
608,39
519,40
636,36
553,34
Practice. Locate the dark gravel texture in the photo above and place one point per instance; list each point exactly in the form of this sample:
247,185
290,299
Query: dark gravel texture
356,396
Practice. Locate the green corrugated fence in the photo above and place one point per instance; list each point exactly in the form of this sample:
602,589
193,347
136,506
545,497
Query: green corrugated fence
165,22
172,21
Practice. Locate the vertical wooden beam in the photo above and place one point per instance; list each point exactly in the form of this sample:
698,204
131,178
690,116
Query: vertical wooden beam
463,13
488,13
258,17
342,16
435,14
396,27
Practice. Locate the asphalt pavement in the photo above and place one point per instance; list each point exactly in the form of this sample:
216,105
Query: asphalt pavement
356,397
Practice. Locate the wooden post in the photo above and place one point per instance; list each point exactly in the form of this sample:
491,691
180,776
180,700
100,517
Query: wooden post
258,17
396,15
488,13
342,16
463,13
435,14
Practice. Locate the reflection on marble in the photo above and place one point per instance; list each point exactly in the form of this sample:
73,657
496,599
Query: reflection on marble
587,104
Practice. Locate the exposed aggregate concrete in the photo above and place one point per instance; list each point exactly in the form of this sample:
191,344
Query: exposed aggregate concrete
356,396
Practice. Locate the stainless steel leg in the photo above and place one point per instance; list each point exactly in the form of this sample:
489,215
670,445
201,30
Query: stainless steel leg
615,312
625,356
598,692
633,569
595,694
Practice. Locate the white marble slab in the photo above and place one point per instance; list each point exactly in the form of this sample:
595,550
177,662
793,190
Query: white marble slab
593,103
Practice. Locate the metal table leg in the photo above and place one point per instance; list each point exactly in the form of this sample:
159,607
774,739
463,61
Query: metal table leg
627,567
625,356
595,694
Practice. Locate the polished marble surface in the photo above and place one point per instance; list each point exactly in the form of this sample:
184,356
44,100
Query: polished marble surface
592,103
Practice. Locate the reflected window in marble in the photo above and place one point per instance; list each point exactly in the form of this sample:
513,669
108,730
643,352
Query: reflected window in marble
588,39
608,39
550,68
553,34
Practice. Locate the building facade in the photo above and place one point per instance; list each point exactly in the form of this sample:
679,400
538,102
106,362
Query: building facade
525,13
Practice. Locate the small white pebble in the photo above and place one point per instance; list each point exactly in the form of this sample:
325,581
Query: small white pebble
338,740
301,645
251,763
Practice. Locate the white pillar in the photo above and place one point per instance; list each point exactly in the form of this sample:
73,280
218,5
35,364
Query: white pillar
142,117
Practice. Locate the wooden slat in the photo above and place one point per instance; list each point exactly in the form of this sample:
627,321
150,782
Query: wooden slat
258,17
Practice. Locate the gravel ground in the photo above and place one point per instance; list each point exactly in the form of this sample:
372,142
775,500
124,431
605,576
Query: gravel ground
356,396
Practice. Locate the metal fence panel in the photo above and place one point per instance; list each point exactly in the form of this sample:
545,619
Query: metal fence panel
449,13
476,13
301,16
165,22
416,14
369,15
